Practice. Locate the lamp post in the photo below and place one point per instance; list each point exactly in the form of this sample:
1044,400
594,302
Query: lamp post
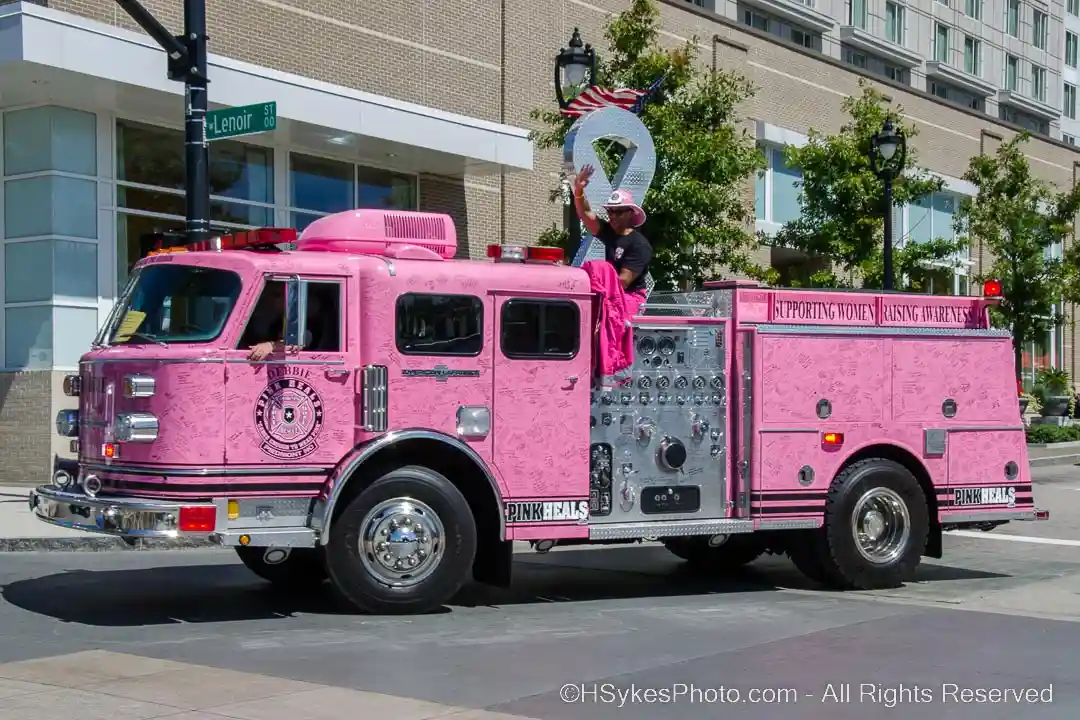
888,149
575,67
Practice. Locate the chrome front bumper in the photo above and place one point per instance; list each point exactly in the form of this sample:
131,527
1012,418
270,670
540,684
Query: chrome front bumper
133,518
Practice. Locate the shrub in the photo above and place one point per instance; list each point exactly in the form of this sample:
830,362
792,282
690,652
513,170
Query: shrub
1046,434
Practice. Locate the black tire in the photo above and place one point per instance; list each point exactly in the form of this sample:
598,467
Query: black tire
363,587
302,567
737,551
836,547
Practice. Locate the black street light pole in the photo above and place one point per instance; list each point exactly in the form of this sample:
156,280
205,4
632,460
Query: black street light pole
575,68
887,153
187,64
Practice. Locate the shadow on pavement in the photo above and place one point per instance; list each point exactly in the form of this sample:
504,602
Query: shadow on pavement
229,592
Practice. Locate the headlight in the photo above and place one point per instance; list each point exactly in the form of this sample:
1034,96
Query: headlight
72,385
139,386
136,427
67,423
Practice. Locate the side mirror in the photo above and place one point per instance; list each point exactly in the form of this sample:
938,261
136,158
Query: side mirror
295,312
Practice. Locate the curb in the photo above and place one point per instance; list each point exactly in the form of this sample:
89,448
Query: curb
98,544
1054,460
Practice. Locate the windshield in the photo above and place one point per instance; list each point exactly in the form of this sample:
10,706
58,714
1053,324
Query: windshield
175,303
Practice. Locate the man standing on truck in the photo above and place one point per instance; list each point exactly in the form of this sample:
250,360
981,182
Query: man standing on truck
625,246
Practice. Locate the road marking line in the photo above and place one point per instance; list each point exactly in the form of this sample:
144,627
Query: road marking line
1014,538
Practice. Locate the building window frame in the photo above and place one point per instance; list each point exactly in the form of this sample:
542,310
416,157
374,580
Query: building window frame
941,42
1039,28
1038,82
1012,73
897,35
1072,43
972,57
766,182
959,265
1068,101
1012,18
973,9
1072,7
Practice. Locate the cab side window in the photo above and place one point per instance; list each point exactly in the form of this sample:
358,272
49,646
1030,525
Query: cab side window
324,313
433,324
534,329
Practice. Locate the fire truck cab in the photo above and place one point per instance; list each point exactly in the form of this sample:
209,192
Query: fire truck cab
366,408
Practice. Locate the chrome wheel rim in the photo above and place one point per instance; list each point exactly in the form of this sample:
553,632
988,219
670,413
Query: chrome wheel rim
402,542
881,525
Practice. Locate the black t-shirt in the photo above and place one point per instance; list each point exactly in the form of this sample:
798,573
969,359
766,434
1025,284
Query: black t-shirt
630,252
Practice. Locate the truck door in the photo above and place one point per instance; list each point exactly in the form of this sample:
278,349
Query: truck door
542,380
292,415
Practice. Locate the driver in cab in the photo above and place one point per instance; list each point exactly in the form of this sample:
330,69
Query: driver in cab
265,332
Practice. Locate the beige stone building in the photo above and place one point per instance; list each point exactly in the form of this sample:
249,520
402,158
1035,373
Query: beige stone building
420,105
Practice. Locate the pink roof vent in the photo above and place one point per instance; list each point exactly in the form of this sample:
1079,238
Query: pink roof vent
393,233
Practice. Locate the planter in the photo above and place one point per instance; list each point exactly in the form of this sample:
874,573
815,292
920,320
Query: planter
1056,406
1023,405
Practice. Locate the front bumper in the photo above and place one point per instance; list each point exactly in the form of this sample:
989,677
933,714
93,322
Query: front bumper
133,518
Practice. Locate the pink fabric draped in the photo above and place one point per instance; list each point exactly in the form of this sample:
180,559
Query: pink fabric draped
615,338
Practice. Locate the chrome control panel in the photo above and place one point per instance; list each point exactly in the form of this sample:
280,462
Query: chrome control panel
659,439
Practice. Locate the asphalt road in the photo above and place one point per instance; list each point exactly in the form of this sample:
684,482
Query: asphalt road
622,628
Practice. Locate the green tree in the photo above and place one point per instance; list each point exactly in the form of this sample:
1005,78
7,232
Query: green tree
843,201
699,211
1020,218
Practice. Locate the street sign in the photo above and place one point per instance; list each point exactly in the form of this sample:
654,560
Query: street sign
244,120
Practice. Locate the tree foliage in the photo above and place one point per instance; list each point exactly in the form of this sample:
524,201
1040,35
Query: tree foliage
699,212
1020,219
843,201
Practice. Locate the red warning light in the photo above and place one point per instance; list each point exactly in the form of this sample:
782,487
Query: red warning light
992,288
833,439
197,519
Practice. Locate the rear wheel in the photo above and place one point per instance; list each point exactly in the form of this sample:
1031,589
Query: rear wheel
876,527
404,545
717,552
284,567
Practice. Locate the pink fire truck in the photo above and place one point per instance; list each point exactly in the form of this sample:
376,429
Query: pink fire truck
426,412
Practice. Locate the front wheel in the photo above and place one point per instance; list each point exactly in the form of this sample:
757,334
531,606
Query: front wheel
404,545
876,527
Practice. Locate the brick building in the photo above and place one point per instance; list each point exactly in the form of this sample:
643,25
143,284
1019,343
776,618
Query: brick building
414,104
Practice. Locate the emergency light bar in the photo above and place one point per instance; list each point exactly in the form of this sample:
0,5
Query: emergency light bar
263,238
513,253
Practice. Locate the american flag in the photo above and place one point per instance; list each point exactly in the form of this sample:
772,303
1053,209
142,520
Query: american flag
597,97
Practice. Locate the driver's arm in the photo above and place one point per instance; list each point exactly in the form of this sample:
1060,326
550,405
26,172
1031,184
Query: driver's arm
584,211
635,259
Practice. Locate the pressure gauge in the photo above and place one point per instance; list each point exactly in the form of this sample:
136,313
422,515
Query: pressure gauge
663,382
645,383
646,346
681,382
699,383
666,346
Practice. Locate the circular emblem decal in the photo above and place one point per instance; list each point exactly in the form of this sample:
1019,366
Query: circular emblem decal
289,417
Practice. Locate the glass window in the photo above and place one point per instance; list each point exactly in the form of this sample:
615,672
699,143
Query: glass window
385,190
857,13
759,194
785,190
39,269
1012,72
326,186
941,42
50,205
28,337
1073,7
894,23
151,155
973,9
1038,82
323,326
1069,101
137,235
972,56
1070,49
429,324
169,203
176,303
50,138
1038,29
533,329
1012,18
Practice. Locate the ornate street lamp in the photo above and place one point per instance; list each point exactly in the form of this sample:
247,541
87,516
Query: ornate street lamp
888,150
572,65
575,66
